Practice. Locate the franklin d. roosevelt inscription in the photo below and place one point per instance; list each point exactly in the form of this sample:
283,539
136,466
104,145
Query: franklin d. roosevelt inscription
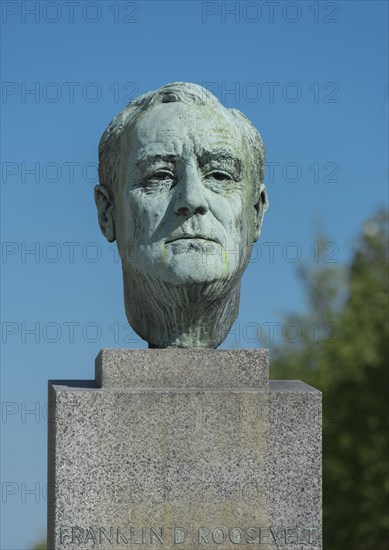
182,536
181,191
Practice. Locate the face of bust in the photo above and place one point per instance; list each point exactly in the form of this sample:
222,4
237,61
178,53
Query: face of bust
184,210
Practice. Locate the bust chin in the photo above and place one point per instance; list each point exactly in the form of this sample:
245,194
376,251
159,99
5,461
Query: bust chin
186,316
182,194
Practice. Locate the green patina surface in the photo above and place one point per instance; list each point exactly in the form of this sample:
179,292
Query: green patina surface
185,211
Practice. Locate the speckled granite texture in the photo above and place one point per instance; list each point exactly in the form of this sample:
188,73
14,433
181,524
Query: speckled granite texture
186,368
184,449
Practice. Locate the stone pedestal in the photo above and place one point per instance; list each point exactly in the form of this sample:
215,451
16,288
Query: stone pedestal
184,449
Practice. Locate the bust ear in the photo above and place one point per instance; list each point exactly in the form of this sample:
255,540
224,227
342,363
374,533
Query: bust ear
261,207
105,212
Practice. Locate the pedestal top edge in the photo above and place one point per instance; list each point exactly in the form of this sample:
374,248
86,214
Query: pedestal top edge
275,386
292,386
189,351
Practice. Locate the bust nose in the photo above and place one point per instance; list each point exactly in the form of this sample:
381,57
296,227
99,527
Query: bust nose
190,197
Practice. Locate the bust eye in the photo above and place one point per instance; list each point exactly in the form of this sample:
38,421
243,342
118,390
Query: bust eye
218,175
161,175
160,180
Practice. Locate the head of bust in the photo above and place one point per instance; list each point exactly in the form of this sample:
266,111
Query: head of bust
181,191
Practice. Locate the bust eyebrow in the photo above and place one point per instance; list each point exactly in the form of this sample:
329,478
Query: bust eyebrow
146,160
220,155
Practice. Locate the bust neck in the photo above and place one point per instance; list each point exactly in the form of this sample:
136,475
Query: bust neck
166,315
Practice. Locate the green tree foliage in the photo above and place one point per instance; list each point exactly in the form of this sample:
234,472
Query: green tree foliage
345,355
41,546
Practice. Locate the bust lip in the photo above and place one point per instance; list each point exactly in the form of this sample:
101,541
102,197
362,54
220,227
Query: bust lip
191,236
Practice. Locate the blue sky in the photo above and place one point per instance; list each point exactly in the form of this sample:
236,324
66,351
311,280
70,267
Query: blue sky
311,76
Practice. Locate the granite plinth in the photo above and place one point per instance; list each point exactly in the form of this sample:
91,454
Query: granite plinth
183,368
184,449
